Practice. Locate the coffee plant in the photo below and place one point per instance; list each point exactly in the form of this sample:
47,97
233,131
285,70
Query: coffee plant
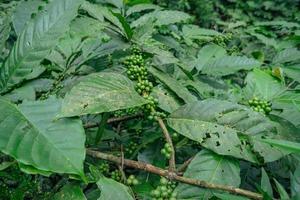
149,100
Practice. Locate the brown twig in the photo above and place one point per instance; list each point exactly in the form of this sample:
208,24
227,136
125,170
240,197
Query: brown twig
114,119
162,172
172,165
185,165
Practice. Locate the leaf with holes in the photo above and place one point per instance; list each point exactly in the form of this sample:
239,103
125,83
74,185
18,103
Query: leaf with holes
99,93
226,128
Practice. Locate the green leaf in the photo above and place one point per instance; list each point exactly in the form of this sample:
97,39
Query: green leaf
287,55
262,85
4,32
295,183
125,25
284,145
70,192
207,54
292,71
141,7
210,167
221,126
194,32
23,13
111,189
289,105
36,42
99,93
229,64
282,192
174,85
118,3
166,101
229,196
5,165
165,17
265,183
30,135
93,10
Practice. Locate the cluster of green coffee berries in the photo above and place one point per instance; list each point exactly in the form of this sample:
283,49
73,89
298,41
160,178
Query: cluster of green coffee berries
261,106
144,86
167,150
164,191
222,39
129,111
131,147
104,168
132,180
137,71
116,175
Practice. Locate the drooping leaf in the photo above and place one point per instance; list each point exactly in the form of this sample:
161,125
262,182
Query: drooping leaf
99,93
225,128
265,183
210,167
111,189
175,86
69,192
36,41
30,134
229,64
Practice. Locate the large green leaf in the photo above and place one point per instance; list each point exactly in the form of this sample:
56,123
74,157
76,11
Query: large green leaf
174,85
30,134
111,189
265,183
292,71
287,106
295,183
70,192
101,92
262,85
208,53
36,42
166,100
141,7
23,13
210,167
164,17
229,64
287,55
225,128
292,147
4,32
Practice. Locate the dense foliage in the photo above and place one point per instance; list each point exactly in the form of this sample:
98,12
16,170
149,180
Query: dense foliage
140,99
